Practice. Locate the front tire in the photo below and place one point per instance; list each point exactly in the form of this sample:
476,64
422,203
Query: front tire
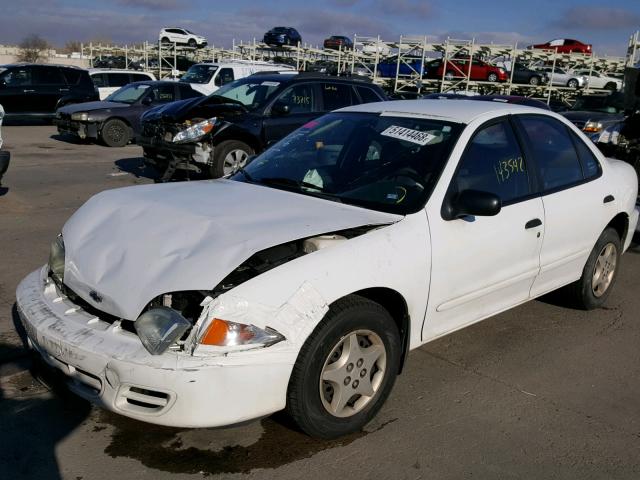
492,77
534,80
115,133
345,370
228,157
573,83
599,274
611,87
192,43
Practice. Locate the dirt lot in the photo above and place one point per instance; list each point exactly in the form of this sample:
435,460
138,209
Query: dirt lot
541,391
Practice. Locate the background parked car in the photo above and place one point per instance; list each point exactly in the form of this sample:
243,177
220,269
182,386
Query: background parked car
600,80
116,121
282,36
182,36
524,75
565,45
561,78
244,117
593,113
336,42
108,81
459,68
208,77
5,156
39,90
408,66
117,61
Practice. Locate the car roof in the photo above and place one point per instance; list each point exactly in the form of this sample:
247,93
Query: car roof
115,70
27,64
460,111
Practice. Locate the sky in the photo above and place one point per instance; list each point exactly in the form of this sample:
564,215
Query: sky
606,24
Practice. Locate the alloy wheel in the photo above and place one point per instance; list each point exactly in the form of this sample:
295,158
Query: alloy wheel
353,373
234,160
604,269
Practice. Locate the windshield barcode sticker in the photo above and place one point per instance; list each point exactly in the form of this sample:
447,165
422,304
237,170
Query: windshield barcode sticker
408,135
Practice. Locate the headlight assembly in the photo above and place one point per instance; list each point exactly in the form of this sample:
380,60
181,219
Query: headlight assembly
195,132
56,258
223,333
80,116
159,328
592,127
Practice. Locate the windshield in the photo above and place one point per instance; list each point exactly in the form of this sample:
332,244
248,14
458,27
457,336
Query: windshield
199,73
250,92
380,162
128,94
604,104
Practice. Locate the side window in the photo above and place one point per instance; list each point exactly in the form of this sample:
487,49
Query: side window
337,95
590,165
299,98
187,92
553,151
72,75
138,77
225,76
99,79
368,95
16,77
493,163
117,79
163,94
48,76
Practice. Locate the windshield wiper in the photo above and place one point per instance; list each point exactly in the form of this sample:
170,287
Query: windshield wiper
299,186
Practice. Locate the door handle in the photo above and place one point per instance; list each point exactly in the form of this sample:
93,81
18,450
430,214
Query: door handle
608,199
64,89
536,222
28,91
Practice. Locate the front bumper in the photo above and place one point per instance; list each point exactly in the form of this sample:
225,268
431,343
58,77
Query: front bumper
109,366
79,129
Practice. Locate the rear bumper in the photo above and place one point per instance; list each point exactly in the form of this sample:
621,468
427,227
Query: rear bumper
109,366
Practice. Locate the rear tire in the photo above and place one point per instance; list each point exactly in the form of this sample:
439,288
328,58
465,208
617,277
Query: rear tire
228,157
599,274
165,40
448,76
115,133
345,370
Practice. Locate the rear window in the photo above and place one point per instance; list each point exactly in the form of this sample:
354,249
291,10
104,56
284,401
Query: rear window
368,95
139,77
72,75
337,95
117,79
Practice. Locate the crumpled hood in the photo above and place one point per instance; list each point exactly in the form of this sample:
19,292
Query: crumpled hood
89,106
194,107
129,245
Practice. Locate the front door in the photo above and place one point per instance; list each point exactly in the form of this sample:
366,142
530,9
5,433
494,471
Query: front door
483,265
16,90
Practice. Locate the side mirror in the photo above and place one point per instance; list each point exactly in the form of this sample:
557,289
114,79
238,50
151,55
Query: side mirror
280,108
471,203
147,101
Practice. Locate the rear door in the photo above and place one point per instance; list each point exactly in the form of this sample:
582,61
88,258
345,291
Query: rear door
337,95
578,204
49,85
303,103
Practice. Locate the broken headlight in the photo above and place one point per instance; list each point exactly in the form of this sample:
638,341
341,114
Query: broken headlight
56,259
195,132
80,116
592,127
223,333
159,328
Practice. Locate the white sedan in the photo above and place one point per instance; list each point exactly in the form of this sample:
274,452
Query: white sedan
560,78
599,80
302,281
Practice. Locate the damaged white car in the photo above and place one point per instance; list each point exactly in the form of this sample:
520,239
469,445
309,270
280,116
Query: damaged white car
303,281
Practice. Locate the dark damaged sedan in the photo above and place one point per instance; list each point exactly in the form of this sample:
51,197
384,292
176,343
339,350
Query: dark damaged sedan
215,135
116,120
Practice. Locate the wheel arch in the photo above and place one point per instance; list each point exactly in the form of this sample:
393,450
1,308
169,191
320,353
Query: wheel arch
620,223
116,117
240,136
392,301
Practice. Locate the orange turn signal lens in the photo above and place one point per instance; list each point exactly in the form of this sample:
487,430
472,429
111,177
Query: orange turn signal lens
223,333
216,334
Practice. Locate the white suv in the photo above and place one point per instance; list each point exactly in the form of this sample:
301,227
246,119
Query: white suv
182,36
